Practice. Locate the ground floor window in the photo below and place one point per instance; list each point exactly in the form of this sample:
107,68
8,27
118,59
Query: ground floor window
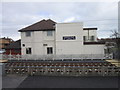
49,50
28,51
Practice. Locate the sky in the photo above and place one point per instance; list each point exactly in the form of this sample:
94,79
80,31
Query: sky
17,15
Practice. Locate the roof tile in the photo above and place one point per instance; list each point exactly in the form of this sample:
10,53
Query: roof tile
40,26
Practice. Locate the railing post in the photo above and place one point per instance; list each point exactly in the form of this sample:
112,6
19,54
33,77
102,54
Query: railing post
10,56
91,56
18,57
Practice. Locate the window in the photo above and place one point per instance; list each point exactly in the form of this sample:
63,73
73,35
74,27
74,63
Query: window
6,44
44,44
23,45
84,38
92,38
69,38
28,51
49,50
49,33
28,34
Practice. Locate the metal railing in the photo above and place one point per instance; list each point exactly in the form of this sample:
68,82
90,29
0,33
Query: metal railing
56,57
35,65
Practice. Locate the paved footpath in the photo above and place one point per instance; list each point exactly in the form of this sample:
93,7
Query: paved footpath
69,82
12,81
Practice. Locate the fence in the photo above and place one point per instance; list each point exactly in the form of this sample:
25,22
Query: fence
62,68
56,57
60,65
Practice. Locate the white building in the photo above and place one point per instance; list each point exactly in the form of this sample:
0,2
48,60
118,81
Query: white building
50,38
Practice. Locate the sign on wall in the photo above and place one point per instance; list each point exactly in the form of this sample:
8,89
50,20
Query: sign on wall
69,37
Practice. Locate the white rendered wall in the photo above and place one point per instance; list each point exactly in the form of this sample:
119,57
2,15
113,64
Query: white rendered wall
69,46
93,49
36,41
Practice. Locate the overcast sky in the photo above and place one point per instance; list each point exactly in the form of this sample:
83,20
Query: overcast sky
17,15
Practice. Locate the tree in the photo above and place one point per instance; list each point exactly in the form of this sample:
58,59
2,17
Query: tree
116,36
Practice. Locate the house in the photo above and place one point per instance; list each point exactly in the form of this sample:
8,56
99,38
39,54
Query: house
4,42
47,37
13,48
111,46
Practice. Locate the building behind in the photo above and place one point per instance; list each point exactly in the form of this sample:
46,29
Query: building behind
13,48
4,42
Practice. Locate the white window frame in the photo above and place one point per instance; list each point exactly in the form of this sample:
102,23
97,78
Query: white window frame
49,33
92,38
28,34
29,50
48,50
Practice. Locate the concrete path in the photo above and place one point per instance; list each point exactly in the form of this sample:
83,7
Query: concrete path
0,82
12,81
69,82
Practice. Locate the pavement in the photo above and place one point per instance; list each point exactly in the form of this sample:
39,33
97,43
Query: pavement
18,81
69,82
12,81
0,82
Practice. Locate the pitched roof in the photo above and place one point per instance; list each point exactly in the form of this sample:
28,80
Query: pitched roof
14,45
8,39
42,25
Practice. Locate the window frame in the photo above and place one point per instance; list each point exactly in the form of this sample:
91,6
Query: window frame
29,50
92,38
28,34
84,38
49,50
23,45
49,33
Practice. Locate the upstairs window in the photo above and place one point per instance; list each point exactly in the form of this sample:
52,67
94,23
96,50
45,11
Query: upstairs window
84,38
92,38
28,51
28,34
49,33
